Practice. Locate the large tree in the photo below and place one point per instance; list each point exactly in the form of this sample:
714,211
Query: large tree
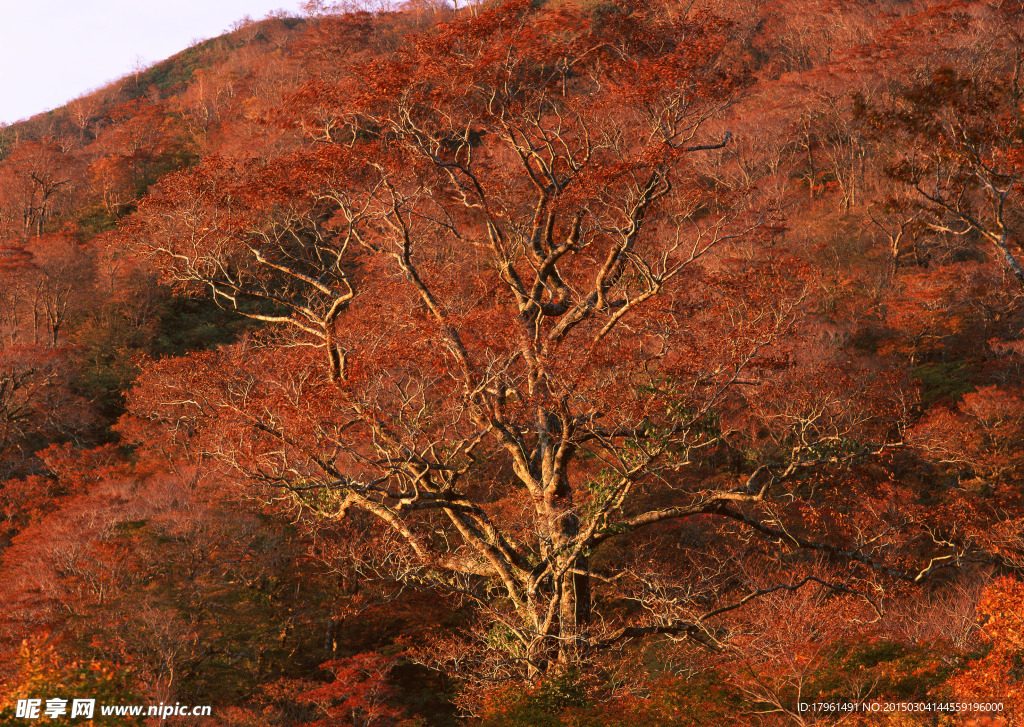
525,341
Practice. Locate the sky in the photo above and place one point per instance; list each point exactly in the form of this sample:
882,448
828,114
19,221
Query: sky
52,51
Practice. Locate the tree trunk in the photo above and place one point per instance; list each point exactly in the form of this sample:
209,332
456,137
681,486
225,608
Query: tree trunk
574,614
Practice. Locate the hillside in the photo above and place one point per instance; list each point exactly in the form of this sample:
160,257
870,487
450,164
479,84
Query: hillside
525,363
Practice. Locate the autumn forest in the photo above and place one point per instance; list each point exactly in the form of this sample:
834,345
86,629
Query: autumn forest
524,363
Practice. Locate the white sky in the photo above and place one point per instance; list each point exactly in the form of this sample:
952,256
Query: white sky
52,51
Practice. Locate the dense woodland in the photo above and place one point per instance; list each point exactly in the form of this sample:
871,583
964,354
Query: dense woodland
579,362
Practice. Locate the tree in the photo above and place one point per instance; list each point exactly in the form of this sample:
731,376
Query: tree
63,274
359,694
36,404
83,111
38,178
982,436
995,676
144,142
957,145
513,327
16,273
